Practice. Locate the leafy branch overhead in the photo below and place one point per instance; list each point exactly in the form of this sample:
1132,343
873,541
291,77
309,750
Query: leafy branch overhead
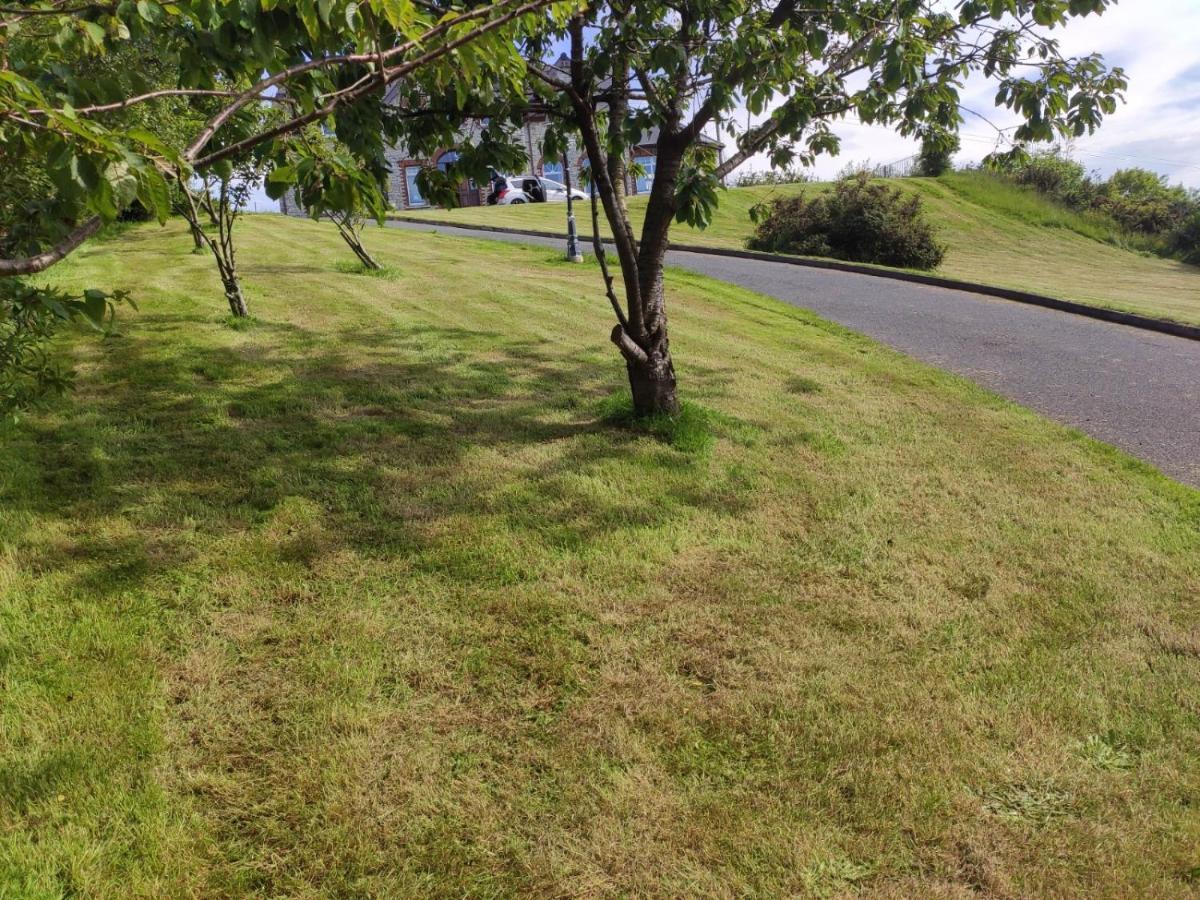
30,317
316,61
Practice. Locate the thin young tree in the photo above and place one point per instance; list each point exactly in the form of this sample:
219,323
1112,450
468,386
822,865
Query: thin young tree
329,182
350,227
86,158
222,200
684,66
327,62
936,156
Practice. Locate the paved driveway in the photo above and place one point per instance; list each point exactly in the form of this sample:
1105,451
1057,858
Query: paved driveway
1135,389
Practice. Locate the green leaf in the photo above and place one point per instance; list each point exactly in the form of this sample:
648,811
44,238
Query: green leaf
154,193
152,142
95,305
150,12
399,14
104,202
223,169
308,15
94,32
278,182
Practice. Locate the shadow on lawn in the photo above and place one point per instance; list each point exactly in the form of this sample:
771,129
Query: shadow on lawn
395,442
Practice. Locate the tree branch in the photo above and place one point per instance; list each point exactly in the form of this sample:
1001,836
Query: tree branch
618,220
31,265
598,248
628,347
382,78
155,95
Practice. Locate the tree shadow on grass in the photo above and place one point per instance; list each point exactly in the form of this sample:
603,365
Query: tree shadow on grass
447,446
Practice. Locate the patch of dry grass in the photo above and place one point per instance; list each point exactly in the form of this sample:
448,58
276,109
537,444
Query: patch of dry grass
373,598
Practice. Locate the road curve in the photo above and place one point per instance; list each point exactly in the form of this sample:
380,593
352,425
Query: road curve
1137,390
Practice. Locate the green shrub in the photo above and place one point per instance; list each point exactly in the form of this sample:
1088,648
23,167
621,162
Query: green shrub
1141,201
1137,206
859,220
774,176
1054,175
1184,241
937,155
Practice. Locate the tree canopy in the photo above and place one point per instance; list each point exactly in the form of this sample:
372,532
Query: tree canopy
679,67
321,61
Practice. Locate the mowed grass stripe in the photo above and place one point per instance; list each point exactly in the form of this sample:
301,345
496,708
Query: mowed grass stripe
369,597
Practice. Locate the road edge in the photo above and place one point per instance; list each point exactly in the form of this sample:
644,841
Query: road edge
1133,320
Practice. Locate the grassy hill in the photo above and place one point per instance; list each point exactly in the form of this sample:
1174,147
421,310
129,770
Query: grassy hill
372,598
996,233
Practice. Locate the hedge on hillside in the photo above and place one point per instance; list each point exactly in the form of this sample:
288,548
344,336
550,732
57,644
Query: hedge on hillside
1184,241
1159,216
860,220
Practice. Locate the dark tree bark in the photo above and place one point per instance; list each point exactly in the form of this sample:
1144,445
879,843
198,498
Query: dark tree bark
641,333
652,382
233,292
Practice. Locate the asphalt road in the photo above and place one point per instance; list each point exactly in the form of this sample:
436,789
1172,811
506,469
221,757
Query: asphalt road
1137,390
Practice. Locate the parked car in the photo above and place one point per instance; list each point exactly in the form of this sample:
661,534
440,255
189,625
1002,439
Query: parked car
510,190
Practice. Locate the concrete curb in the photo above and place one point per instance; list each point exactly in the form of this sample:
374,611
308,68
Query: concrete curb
1133,320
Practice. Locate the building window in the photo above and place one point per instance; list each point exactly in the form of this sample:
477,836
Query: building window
553,171
410,182
646,181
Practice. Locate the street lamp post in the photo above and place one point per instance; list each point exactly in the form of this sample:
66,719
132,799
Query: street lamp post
573,254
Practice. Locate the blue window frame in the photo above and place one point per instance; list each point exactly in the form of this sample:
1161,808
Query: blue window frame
644,182
553,171
410,182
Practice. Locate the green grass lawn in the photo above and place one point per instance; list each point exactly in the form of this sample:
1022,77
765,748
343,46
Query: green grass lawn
995,233
373,599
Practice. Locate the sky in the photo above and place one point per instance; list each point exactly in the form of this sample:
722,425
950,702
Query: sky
1157,42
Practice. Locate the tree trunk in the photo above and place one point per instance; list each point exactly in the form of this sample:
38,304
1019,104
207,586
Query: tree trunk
233,293
350,234
652,384
648,362
365,257
641,332
652,380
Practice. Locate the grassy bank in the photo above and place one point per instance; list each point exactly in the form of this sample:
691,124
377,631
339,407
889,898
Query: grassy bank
995,233
373,598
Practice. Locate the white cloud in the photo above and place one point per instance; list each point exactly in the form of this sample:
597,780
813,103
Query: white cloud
1157,42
